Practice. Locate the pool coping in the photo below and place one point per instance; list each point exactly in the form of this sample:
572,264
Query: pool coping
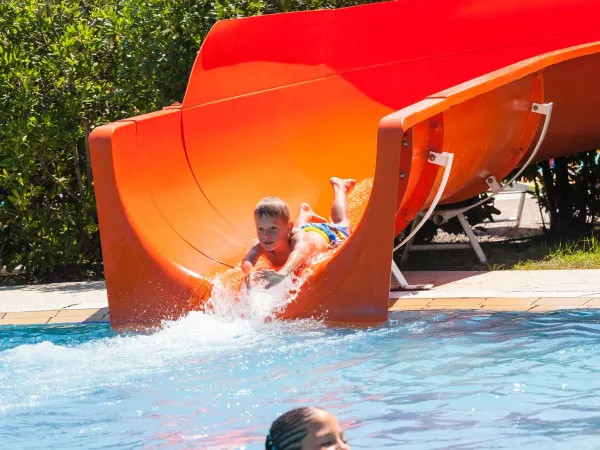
515,291
55,317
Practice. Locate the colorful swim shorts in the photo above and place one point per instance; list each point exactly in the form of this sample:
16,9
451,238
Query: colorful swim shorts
333,234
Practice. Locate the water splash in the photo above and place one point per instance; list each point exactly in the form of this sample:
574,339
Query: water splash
358,200
234,300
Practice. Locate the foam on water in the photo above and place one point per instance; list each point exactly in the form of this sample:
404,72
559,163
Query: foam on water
45,368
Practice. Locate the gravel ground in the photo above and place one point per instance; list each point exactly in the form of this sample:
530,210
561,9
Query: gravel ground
489,234
531,223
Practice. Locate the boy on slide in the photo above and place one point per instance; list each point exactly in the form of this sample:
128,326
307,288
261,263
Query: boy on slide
286,244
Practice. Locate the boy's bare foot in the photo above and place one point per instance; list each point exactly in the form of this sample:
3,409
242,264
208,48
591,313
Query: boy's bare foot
307,215
345,185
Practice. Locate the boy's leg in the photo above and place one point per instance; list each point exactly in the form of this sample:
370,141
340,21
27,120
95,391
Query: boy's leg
307,215
339,208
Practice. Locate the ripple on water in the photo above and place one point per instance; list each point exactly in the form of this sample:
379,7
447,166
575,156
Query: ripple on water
424,380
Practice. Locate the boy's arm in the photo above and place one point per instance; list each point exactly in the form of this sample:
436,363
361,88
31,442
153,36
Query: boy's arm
302,249
250,259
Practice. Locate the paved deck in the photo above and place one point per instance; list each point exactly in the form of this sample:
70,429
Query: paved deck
84,302
535,291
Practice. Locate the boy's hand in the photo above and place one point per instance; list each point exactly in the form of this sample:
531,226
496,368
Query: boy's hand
247,267
270,276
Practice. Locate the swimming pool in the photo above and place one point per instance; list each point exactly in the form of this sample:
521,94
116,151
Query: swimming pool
425,380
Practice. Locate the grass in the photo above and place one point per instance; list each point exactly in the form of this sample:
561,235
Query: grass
580,254
538,253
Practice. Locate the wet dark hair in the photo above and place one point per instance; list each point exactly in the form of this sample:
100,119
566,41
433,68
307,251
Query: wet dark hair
289,430
272,207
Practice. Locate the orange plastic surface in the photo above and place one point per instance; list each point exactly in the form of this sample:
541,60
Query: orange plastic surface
276,105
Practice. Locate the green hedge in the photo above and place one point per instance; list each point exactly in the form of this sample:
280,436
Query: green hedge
66,67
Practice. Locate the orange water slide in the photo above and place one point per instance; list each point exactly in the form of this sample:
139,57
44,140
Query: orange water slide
277,104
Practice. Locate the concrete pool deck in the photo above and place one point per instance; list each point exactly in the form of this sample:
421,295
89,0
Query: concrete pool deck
83,302
518,290
533,291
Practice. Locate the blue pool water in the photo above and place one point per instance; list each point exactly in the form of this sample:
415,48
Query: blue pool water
427,380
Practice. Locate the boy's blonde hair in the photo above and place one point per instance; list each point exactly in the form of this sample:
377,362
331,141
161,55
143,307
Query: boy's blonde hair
272,207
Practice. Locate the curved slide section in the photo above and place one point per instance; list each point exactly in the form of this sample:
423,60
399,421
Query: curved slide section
278,104
492,124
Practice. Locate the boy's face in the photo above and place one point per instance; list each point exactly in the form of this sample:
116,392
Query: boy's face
272,232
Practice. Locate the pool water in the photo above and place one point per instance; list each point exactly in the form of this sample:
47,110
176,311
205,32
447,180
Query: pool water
424,380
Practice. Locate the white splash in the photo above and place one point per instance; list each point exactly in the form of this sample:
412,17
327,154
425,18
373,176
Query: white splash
255,304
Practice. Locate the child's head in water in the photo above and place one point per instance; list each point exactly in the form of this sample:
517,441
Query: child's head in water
308,428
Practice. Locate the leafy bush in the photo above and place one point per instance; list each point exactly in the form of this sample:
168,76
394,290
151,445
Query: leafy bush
65,68
568,188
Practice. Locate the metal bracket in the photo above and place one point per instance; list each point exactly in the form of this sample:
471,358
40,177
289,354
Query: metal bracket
544,109
493,184
440,159
400,283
